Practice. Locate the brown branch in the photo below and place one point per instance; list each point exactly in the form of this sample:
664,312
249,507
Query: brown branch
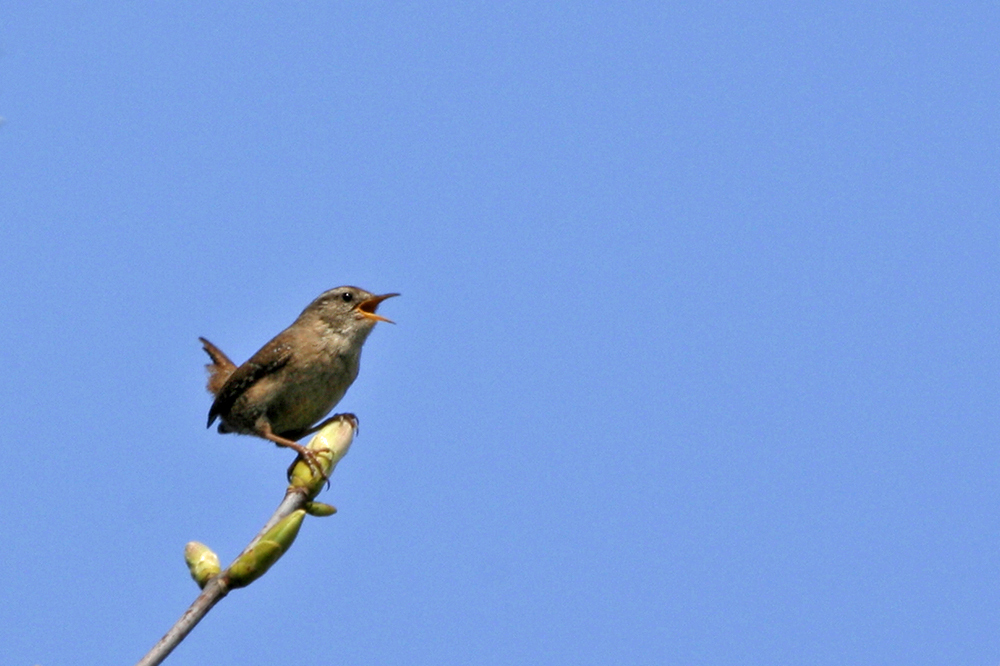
330,445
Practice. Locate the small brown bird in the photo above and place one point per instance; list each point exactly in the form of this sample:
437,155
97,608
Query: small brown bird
298,377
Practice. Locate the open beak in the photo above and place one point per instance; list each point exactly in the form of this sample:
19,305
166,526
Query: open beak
368,306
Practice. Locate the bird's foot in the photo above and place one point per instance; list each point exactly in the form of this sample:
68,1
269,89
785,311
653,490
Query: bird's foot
307,455
336,417
310,457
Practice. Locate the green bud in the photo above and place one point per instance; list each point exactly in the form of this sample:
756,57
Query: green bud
202,562
320,509
330,444
255,562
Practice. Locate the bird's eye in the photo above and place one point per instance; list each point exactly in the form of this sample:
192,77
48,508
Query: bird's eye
347,296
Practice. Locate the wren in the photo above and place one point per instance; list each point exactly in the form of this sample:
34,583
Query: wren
297,378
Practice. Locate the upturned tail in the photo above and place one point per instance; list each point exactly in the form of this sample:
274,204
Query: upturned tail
219,370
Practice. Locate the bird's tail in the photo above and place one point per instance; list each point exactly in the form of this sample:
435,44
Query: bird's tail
219,369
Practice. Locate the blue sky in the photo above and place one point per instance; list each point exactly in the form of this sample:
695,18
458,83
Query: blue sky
696,359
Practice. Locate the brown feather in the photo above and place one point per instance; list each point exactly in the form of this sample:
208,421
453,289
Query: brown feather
219,370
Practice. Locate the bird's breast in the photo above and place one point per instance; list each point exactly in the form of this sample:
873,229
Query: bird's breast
303,396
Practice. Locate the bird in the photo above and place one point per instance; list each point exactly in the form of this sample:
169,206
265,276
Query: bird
296,379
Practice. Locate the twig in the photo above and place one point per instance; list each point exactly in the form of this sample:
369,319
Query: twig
330,445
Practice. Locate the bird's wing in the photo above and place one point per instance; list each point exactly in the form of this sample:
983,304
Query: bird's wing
272,357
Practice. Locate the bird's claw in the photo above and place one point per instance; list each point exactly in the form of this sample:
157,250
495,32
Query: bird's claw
312,460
